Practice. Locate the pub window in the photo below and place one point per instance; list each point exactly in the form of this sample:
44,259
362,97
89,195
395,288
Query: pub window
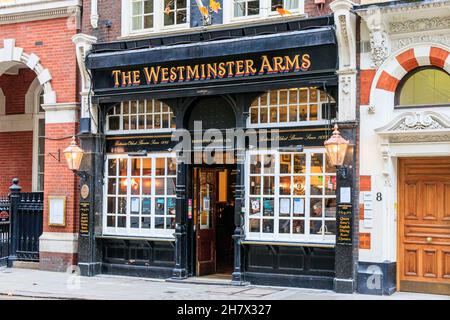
291,5
289,106
424,86
143,115
140,195
265,8
142,14
154,15
291,196
245,8
175,12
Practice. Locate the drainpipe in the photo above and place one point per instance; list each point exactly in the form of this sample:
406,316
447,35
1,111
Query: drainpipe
94,14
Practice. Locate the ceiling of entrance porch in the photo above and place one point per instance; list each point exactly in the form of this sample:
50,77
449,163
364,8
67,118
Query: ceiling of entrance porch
416,126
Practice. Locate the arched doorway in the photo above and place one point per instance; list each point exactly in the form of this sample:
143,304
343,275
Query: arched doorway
212,188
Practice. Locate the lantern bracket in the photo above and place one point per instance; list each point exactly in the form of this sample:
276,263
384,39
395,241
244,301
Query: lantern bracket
342,172
56,156
82,174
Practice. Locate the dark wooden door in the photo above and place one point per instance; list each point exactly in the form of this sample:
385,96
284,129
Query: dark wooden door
424,225
206,193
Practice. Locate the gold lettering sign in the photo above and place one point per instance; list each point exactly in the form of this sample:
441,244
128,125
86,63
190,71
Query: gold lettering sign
208,71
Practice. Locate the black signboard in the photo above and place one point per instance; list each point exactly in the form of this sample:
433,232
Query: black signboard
344,220
282,56
313,136
85,207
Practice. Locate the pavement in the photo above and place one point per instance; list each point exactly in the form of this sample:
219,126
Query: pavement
18,283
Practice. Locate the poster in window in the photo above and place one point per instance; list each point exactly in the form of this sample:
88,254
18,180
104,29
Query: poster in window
299,206
268,207
135,205
285,206
146,206
255,206
159,206
171,206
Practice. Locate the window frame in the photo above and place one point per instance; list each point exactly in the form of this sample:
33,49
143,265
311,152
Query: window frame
268,124
140,232
137,114
276,236
38,116
403,81
158,19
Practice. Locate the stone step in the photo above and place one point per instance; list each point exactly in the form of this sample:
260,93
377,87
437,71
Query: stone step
26,265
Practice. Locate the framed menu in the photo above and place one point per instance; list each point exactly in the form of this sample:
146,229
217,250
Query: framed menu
57,211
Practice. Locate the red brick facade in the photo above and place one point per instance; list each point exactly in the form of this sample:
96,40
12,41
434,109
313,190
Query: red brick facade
51,41
16,159
56,53
14,88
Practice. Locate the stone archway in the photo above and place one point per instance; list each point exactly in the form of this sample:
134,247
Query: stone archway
10,55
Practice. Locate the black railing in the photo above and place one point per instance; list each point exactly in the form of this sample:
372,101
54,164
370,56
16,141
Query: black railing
29,216
21,225
4,230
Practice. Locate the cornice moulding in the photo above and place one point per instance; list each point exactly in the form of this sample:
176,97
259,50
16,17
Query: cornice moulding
402,8
39,11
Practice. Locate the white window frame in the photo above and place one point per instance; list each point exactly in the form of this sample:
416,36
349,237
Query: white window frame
264,11
145,114
308,122
158,19
276,236
38,115
128,231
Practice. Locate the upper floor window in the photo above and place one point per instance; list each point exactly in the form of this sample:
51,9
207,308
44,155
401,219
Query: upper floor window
425,86
289,106
143,115
153,15
265,8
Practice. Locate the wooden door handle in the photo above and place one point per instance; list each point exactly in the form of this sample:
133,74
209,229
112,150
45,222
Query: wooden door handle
429,239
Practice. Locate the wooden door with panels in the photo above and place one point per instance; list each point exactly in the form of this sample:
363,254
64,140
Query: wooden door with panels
205,199
424,225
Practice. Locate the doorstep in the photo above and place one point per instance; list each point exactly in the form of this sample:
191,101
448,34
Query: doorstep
208,280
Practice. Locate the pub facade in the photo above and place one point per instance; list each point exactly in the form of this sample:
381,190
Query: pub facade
204,150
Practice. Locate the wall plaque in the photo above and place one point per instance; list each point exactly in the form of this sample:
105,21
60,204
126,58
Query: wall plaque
85,207
57,211
84,191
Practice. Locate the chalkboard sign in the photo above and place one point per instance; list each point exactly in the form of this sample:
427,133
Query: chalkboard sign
84,218
344,220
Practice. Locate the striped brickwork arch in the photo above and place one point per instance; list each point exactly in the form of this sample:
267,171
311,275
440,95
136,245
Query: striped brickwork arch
407,61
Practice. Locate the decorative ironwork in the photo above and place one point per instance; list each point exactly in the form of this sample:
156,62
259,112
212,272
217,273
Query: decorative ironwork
4,230
30,219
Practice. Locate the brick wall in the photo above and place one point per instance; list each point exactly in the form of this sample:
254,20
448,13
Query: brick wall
16,160
14,88
59,180
51,41
107,10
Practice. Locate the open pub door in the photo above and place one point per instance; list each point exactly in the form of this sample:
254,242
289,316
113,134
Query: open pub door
205,197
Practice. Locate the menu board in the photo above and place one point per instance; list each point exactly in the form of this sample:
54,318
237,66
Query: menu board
84,218
344,221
